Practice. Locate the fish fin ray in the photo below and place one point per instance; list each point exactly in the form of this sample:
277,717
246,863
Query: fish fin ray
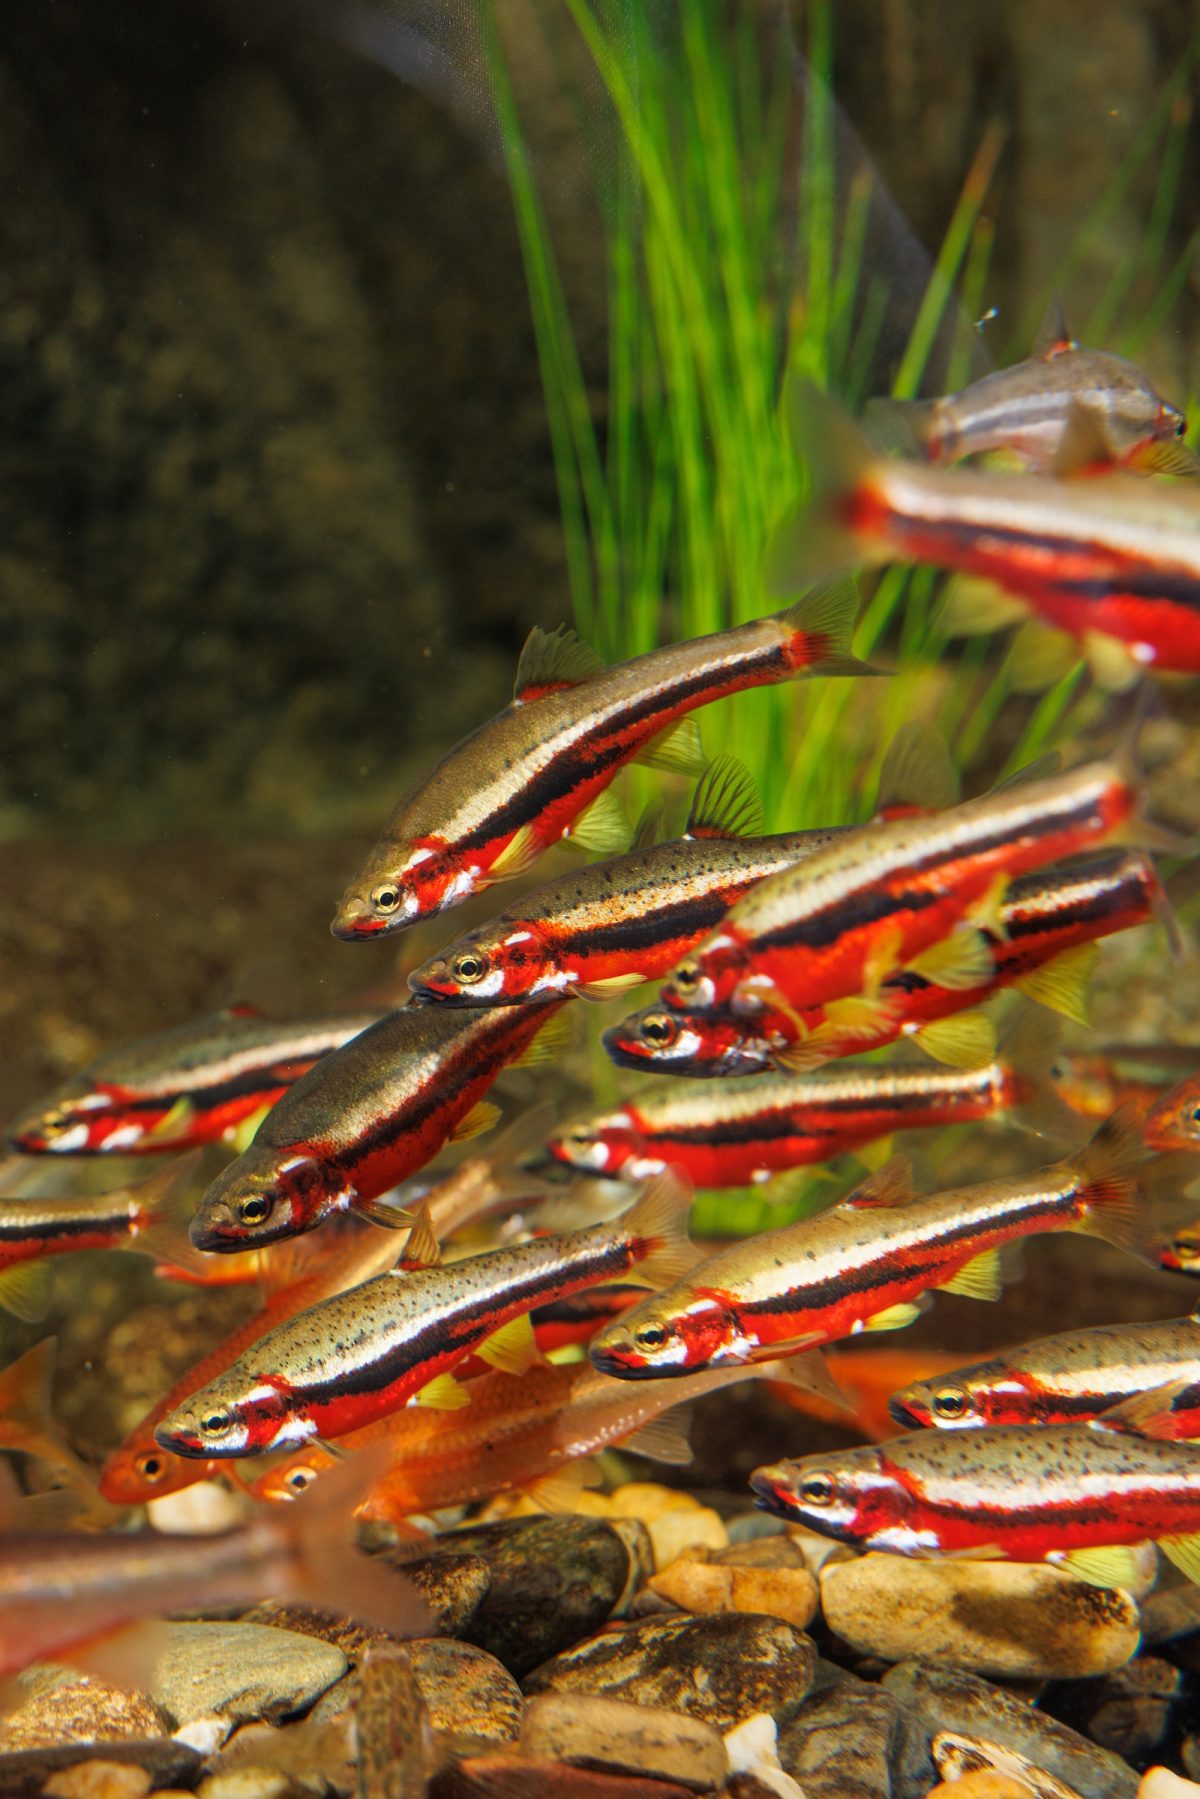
895,1318
551,660
520,853
378,1211
1108,1565
726,803
513,1348
608,988
888,1187
959,962
1166,457
659,1218
1106,1167
1053,336
602,828
25,1291
1184,1552
679,749
421,1247
663,1439
964,1040
484,1115
973,607
808,1372
559,1491
980,1278
443,1394
1062,983
916,770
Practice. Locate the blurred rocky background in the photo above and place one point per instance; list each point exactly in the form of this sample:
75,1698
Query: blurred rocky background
277,503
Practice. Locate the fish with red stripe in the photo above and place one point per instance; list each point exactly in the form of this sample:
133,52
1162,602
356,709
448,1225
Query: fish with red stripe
865,1263
1040,945
370,1114
362,1354
528,777
840,922
726,1134
184,1087
1114,555
1071,1377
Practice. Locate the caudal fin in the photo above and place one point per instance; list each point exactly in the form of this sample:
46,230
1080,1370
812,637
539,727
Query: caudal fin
1171,1413
819,629
656,1227
903,427
816,541
1106,1171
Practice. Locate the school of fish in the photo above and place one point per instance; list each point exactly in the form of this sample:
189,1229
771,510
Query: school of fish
425,1340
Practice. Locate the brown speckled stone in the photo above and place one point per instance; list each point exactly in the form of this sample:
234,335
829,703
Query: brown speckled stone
722,1669
65,1707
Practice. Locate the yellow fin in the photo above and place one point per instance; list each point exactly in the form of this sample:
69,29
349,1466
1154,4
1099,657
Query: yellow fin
1166,458
609,988
964,1040
958,963
549,1044
518,855
444,1394
916,771
894,1318
25,1291
988,910
657,1223
421,1248
726,802
393,1218
512,1348
891,1185
1039,657
243,1134
1062,983
559,1491
1112,667
974,607
482,1117
979,1278
883,960
1185,1553
663,1439
552,659
603,828
174,1122
1111,1565
678,749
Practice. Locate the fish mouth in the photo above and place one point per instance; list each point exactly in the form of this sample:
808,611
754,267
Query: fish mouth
770,1494
621,1364
905,1414
353,921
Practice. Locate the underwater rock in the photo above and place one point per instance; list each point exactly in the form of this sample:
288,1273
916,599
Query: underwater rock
1170,1613
840,1743
99,1780
705,1587
551,1582
453,1587
722,1669
65,1706
629,1739
242,1671
987,1784
1131,1711
674,1520
30,1771
933,1699
248,1783
999,1618
465,1689
958,1755
521,1777
1160,1783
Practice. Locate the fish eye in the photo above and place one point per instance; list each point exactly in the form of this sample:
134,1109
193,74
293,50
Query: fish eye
54,1124
469,968
300,1480
580,1138
254,1210
658,1028
150,1467
686,975
1181,427
217,1424
651,1336
818,1489
949,1402
386,898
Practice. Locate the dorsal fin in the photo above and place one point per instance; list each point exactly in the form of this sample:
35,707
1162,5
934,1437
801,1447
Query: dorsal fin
726,802
916,773
421,1247
1053,336
648,828
551,660
1040,769
891,1186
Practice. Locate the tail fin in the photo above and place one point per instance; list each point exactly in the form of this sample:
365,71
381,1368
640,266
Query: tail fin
27,1408
167,1200
328,1570
819,629
1171,1413
903,427
656,1226
1109,1192
815,542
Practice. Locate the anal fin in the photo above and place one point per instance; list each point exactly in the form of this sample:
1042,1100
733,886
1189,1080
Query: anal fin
603,828
678,749
980,1278
964,1040
512,1348
663,1439
483,1116
444,1394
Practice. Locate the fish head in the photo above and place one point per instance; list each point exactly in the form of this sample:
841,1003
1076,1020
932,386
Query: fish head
292,1478
81,1121
849,1494
1179,1252
143,1470
954,1402
706,979
489,968
660,1336
240,1414
1170,422
263,1197
660,1036
609,1146
397,885
1173,1122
